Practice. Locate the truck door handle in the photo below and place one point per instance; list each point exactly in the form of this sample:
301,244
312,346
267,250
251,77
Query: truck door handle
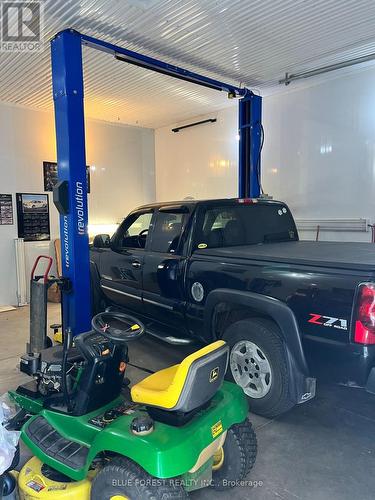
136,264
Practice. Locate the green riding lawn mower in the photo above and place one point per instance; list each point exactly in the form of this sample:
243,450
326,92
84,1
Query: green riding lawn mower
179,429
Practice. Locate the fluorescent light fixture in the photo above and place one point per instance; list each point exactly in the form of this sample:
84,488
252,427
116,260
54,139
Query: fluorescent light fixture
325,69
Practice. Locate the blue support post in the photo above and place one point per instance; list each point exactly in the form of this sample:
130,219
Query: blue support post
249,158
67,82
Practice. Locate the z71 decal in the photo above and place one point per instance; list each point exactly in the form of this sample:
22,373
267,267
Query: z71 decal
318,319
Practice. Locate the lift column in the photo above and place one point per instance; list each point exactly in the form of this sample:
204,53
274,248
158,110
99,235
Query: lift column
250,132
70,194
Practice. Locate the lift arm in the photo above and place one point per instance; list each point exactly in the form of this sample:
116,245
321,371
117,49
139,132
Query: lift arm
71,192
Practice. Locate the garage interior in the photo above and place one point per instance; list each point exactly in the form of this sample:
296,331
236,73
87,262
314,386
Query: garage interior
153,139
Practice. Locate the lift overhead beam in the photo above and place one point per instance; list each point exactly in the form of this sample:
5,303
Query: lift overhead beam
158,66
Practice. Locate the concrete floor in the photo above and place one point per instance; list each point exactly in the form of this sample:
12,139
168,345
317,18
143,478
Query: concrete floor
324,449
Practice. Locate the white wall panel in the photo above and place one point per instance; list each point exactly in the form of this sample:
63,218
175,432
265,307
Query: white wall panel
122,170
123,158
25,141
319,153
200,161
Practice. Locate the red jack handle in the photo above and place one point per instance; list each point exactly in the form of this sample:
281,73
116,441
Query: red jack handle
45,275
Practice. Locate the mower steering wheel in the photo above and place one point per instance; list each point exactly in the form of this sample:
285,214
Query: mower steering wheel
117,327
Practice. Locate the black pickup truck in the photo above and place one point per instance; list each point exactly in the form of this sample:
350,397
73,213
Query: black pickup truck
235,269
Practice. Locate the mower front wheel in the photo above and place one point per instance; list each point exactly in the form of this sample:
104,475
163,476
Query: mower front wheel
236,458
124,479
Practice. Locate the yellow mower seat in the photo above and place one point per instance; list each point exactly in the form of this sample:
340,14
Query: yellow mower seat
188,385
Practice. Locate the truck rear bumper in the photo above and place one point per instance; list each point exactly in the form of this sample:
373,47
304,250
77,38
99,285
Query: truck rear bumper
351,364
370,384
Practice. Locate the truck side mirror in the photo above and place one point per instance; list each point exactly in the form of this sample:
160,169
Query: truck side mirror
102,241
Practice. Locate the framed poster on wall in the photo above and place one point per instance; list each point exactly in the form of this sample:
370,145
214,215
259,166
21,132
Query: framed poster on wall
6,210
50,175
33,216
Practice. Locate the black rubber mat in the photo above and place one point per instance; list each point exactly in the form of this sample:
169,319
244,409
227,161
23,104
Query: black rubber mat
54,445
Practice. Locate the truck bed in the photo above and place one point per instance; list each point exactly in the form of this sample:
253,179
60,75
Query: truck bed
355,256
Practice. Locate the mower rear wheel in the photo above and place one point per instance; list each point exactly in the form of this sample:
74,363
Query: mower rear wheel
123,478
237,457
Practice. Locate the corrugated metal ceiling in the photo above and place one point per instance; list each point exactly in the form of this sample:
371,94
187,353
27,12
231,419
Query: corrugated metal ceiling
249,42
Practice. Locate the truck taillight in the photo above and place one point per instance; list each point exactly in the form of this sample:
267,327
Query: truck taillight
364,332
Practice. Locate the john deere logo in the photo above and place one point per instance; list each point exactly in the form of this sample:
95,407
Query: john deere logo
214,374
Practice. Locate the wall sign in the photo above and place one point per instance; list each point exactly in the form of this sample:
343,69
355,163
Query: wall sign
50,175
33,216
6,210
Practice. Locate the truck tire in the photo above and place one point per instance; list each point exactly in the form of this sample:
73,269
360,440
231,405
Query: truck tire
258,364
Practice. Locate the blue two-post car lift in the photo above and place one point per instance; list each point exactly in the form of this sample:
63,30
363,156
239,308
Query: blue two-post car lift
71,192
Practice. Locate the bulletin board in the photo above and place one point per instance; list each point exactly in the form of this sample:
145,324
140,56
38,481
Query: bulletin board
33,216
6,210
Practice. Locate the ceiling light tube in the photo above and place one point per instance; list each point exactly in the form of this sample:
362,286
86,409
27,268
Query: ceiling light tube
210,120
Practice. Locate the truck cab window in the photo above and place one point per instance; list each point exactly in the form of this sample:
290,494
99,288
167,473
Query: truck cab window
134,231
167,233
246,225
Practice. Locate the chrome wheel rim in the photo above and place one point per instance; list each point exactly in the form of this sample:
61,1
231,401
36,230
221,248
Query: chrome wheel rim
251,369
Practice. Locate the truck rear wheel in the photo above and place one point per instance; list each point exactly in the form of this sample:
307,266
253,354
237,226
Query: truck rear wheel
258,364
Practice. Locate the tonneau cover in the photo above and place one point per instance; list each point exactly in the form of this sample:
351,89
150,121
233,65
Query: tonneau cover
356,256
